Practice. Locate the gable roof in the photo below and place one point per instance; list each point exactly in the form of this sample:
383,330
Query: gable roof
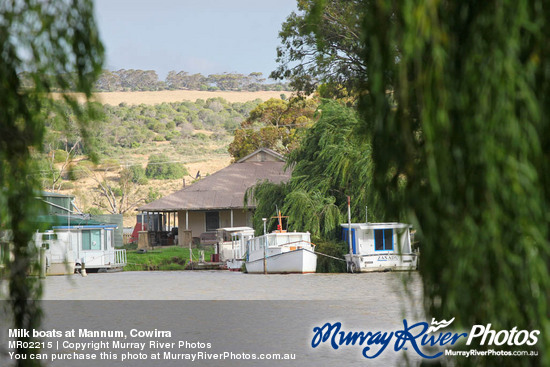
262,155
224,189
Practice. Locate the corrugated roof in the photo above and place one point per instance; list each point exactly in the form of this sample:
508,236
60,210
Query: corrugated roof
224,189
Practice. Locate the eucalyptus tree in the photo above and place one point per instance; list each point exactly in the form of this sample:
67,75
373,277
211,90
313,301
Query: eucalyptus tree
275,124
323,47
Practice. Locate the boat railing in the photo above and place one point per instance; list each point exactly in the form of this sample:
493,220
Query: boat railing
120,257
289,244
258,243
111,258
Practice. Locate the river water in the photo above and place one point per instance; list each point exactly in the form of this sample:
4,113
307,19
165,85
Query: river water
384,291
232,312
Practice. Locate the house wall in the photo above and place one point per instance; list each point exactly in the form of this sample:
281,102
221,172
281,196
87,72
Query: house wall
239,218
197,220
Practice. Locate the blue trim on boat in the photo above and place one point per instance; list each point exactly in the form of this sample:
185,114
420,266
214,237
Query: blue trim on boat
105,226
345,238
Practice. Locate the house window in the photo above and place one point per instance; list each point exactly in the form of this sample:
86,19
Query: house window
383,239
212,221
91,240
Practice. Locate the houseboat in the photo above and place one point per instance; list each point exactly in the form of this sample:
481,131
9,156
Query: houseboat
379,247
231,245
69,247
281,252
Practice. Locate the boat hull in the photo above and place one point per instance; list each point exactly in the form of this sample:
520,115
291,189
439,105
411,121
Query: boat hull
381,263
299,261
64,268
234,264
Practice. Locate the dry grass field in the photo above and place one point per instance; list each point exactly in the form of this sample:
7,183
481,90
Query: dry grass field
152,98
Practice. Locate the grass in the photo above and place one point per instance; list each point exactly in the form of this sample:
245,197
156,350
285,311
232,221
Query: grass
166,258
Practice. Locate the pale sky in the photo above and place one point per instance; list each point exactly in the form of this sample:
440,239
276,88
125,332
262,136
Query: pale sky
197,36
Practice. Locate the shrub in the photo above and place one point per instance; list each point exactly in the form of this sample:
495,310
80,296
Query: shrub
80,170
159,137
170,125
60,156
161,167
327,264
137,174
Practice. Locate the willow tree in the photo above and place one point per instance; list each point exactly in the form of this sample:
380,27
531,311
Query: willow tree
458,106
45,46
329,165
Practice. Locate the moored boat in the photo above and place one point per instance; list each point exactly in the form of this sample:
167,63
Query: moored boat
379,247
231,246
69,247
281,252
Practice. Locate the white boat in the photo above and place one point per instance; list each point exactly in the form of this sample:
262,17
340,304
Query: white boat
68,247
281,252
59,254
231,245
379,247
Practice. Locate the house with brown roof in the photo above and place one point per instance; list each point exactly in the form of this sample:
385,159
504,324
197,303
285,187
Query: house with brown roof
217,201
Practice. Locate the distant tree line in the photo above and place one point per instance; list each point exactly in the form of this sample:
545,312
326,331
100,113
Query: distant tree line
148,80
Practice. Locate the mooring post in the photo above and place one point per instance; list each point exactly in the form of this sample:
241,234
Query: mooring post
349,235
265,246
83,268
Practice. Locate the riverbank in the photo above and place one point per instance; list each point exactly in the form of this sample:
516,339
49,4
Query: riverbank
164,258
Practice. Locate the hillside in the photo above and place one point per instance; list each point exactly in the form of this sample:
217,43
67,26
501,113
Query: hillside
136,126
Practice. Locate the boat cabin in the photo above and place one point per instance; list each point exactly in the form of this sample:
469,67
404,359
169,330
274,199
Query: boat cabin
277,240
281,252
230,242
72,246
379,247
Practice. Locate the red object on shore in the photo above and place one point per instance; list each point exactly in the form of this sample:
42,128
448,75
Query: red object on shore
139,227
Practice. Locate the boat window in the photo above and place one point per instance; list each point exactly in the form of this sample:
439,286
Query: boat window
383,239
91,240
